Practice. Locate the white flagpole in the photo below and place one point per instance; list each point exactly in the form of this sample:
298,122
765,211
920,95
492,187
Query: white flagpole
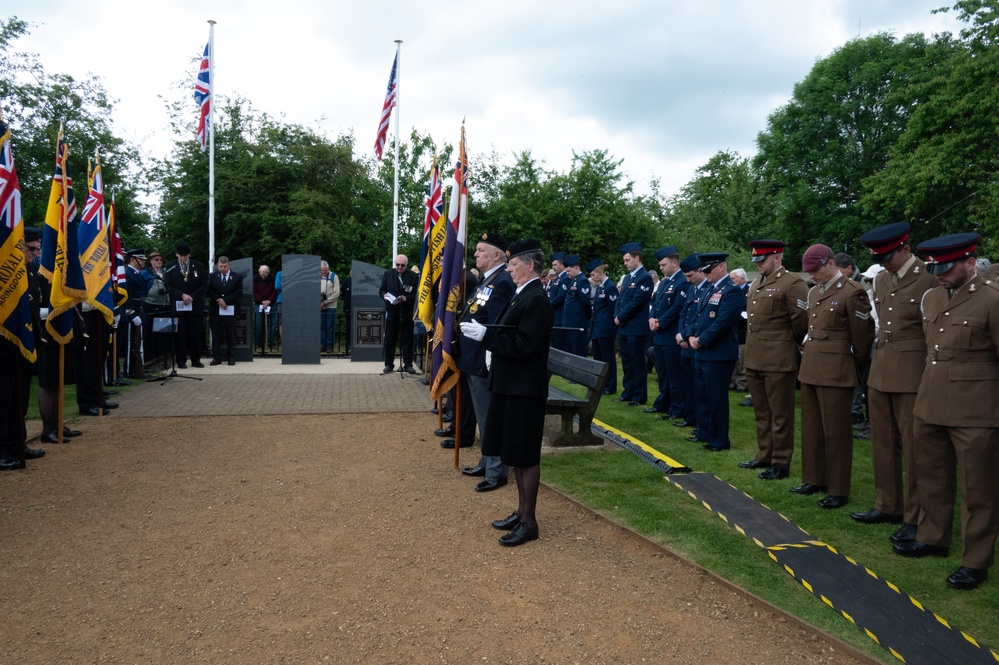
211,145
395,202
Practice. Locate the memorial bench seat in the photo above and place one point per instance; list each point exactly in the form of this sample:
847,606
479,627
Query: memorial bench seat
592,375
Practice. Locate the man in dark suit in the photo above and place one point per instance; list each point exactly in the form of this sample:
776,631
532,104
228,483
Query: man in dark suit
398,289
224,290
132,322
604,330
662,324
716,350
577,308
687,302
632,319
186,280
518,381
485,304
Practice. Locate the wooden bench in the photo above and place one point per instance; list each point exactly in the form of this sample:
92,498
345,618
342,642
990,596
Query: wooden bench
592,374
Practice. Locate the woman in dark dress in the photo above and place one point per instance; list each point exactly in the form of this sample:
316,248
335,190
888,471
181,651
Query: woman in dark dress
518,381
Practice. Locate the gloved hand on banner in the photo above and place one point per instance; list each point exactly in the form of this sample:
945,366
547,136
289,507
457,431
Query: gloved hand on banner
473,330
117,318
136,321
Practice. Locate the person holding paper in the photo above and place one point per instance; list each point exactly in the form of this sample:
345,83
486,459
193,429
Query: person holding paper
264,297
398,290
186,280
223,292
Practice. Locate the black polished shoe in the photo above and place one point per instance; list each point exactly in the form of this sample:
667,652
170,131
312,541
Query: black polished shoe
449,444
33,453
609,392
448,417
474,471
387,370
231,361
67,432
832,501
753,464
875,516
93,411
622,398
774,472
635,403
715,449
10,464
519,535
652,409
111,393
197,363
746,402
50,438
916,549
182,365
215,361
808,488
409,370
905,533
684,423
507,522
490,484
110,405
447,431
967,578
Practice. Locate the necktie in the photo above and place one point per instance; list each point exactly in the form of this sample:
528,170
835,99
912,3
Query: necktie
894,279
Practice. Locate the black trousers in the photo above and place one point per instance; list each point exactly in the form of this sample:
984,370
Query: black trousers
190,336
398,332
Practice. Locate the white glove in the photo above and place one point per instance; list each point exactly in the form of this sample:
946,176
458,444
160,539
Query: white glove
136,321
473,330
117,318
489,359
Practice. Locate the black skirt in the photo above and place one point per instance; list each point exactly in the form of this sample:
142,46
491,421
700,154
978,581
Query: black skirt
516,426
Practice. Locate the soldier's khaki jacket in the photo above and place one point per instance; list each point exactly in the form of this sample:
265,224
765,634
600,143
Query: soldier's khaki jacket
960,382
840,334
777,318
900,351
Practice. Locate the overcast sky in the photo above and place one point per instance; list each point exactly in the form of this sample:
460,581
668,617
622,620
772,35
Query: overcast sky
661,84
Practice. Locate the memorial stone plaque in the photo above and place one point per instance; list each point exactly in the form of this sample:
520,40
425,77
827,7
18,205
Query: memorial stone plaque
244,322
367,313
300,299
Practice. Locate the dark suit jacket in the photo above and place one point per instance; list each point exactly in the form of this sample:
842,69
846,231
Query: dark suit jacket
603,310
666,296
520,353
488,301
135,286
633,304
718,316
194,285
390,284
230,291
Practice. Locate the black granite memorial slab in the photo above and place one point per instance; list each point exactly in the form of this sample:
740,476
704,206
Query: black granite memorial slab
244,323
367,314
300,300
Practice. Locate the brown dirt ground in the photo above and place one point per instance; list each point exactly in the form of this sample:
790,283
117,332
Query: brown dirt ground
336,539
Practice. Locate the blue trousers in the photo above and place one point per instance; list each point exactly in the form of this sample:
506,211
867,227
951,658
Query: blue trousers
603,350
711,381
636,372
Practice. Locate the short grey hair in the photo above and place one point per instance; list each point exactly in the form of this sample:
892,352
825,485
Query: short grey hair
536,259
740,273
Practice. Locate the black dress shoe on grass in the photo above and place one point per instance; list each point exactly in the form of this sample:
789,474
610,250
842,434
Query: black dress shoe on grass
490,484
966,579
714,449
905,533
753,464
808,488
33,453
875,516
917,550
652,410
832,501
635,403
774,472
507,522
474,471
684,423
519,535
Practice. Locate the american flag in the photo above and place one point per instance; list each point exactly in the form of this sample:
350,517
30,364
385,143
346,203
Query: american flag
203,95
390,95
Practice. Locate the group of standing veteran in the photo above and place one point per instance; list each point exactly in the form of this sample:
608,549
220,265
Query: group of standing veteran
518,384
631,316
664,318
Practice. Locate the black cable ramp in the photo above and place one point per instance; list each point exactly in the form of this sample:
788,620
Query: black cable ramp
896,621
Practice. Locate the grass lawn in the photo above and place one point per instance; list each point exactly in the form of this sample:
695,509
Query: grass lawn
626,489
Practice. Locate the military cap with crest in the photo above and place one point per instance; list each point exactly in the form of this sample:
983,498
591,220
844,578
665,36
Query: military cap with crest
943,252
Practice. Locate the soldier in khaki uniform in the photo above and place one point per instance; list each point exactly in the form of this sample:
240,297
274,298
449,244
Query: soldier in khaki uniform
896,367
840,334
776,324
957,411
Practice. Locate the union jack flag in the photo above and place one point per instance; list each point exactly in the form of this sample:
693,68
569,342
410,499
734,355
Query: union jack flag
10,190
390,97
203,95
16,324
433,245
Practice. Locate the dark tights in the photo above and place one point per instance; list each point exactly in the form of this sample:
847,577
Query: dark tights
528,481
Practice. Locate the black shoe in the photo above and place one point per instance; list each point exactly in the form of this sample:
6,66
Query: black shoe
831,501
609,392
409,370
905,534
622,398
182,365
694,439
684,423
110,405
449,444
93,411
916,549
447,431
10,464
215,361
387,370
51,438
635,403
875,516
490,484
120,382
652,409
474,471
67,432
197,363
231,361
448,416
434,411
425,381
753,464
808,488
111,393
746,402
507,522
519,535
33,453
774,472
967,578
715,449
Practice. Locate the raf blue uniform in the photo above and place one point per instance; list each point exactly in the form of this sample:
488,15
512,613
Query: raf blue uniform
689,301
556,298
632,314
604,331
715,328
671,301
576,312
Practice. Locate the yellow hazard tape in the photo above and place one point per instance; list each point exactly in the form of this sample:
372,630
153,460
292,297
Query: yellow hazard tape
652,451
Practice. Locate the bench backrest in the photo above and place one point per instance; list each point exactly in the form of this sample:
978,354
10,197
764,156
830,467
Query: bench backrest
584,371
